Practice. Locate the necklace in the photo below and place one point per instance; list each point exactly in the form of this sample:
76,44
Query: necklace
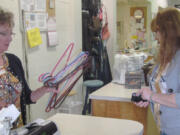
5,65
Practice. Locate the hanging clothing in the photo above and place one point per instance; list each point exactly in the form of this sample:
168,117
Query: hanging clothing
102,66
92,42
106,75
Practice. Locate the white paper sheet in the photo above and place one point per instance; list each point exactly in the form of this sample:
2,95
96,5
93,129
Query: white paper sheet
52,38
32,20
51,24
27,5
33,5
11,111
40,5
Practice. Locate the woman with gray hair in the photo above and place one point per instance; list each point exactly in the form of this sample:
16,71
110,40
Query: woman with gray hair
13,86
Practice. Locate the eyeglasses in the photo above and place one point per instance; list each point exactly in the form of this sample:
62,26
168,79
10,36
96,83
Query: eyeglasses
7,34
154,34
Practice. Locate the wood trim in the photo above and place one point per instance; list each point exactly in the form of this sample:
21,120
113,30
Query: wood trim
121,110
50,11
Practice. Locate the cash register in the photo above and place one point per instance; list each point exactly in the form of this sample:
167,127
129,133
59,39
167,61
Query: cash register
9,114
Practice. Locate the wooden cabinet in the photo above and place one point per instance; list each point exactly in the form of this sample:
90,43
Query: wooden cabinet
121,110
114,101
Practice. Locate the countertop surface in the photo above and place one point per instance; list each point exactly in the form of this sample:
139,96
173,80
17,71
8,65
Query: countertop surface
70,124
113,92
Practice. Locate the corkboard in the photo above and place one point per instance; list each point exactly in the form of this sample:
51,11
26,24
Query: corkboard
50,11
143,9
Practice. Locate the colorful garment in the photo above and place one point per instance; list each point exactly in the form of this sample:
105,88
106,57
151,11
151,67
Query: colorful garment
13,86
10,89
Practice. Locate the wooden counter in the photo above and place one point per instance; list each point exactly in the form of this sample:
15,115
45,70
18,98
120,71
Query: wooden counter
114,101
90,125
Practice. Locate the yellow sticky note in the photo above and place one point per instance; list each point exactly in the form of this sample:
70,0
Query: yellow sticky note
34,37
134,37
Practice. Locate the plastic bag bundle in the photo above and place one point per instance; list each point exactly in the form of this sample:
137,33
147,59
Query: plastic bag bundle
135,62
119,68
127,63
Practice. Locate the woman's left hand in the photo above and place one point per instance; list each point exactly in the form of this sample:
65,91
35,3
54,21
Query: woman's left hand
145,93
142,104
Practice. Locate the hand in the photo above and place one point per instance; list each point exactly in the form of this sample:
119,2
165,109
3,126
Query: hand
38,93
142,104
145,93
50,89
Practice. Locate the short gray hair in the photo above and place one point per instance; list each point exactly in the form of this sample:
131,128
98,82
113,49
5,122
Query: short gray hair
6,17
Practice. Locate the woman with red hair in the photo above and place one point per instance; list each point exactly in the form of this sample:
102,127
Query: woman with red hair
164,92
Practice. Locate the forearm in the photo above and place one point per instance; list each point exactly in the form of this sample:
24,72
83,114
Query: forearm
38,93
165,99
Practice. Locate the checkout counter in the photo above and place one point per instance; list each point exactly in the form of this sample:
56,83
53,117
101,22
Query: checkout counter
70,124
114,101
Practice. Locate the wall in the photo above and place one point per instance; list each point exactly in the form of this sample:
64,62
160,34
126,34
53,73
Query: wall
123,16
162,3
173,2
123,11
16,44
42,59
158,3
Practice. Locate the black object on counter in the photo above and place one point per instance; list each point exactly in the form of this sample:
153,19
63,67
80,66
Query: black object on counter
47,129
137,99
